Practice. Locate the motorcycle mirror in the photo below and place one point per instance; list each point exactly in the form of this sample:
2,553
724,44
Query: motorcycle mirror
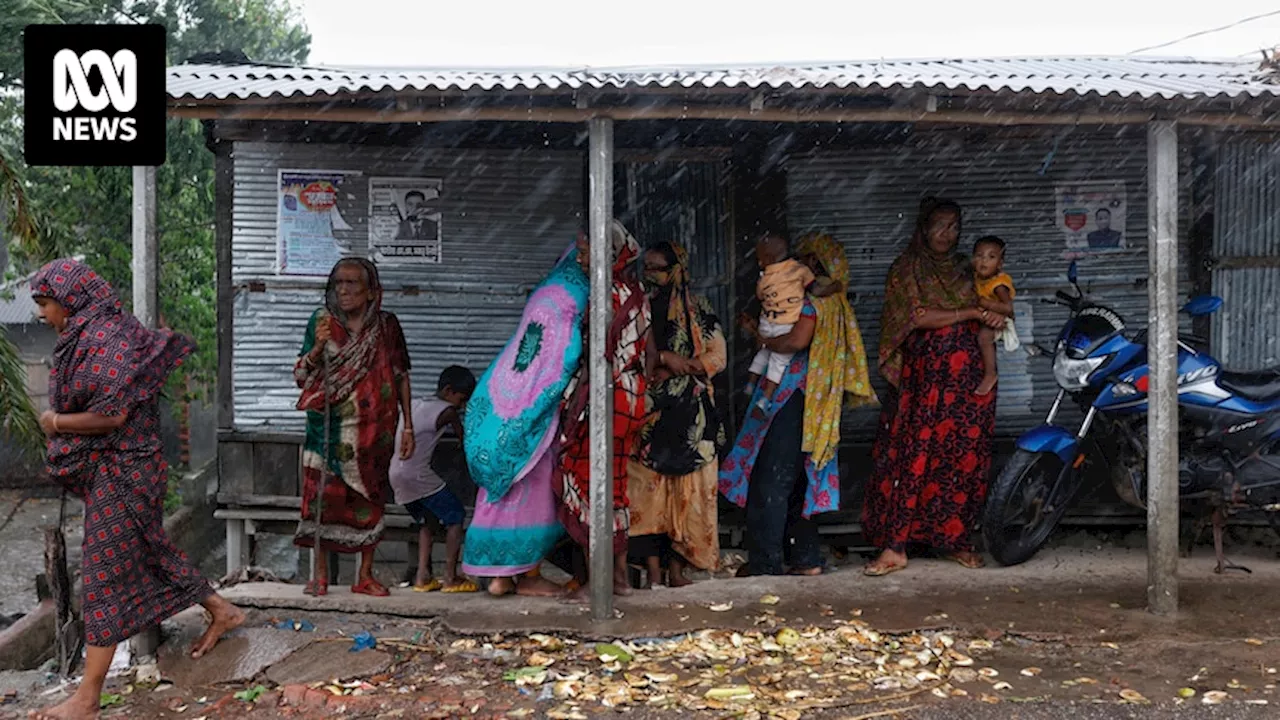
1073,272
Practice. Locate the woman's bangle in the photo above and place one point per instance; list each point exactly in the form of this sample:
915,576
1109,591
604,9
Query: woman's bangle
55,423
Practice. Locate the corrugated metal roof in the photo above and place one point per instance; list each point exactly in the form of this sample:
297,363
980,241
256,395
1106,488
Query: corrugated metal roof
16,305
1125,77
18,310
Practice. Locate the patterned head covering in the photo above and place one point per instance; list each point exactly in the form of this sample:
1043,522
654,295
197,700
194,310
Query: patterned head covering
351,356
838,375
105,361
681,325
921,279
372,279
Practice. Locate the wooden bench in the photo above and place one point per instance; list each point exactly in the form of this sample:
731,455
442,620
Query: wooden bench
250,515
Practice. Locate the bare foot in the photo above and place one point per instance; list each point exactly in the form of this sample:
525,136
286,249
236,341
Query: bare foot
988,384
224,617
538,587
500,586
805,572
971,560
74,708
890,561
621,586
581,596
678,580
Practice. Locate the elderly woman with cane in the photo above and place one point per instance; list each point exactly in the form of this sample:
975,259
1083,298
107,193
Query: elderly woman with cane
354,376
104,446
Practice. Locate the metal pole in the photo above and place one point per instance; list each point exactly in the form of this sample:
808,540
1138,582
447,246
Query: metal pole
146,307
146,250
1162,354
600,374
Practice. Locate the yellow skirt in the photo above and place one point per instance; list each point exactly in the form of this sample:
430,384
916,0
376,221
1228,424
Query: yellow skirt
682,508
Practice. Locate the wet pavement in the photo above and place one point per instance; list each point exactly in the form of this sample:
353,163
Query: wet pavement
22,520
1064,636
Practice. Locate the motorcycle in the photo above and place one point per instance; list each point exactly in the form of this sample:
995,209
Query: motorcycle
1228,434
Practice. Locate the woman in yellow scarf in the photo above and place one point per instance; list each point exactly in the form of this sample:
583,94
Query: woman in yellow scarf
838,374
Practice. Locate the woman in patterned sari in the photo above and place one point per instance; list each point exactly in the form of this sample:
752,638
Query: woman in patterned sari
626,350
784,468
511,434
367,389
672,484
105,448
933,448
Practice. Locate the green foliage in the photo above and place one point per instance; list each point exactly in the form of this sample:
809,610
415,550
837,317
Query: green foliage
88,210
17,416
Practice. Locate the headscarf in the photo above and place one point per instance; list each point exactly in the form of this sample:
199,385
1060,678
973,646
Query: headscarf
679,328
349,357
684,430
921,278
514,414
105,361
838,375
627,329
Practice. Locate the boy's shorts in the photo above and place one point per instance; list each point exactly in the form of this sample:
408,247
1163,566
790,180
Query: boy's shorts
443,504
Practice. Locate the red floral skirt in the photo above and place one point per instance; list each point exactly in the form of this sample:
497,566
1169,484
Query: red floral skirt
933,449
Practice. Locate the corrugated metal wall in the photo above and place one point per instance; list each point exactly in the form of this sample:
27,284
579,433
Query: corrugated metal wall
686,202
1005,181
507,216
1246,239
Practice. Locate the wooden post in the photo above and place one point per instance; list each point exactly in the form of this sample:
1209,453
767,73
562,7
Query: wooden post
1162,354
66,633
146,307
600,179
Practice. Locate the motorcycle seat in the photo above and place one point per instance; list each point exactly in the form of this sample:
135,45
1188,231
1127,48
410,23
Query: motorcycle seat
1260,385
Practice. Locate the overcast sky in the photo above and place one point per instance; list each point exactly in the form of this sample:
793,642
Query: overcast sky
469,33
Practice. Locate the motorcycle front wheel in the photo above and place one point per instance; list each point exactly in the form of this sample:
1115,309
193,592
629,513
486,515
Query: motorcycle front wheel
1023,506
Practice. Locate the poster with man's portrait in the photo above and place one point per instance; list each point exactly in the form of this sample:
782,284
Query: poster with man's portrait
404,220
1092,216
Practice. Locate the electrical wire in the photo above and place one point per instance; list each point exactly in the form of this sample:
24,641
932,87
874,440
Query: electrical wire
1207,32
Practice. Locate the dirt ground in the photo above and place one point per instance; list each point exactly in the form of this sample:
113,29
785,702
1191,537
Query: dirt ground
1064,636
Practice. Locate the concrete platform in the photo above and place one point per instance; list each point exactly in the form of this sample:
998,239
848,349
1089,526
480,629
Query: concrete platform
1065,592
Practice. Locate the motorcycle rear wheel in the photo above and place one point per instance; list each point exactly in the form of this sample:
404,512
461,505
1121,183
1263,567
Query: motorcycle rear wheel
1020,516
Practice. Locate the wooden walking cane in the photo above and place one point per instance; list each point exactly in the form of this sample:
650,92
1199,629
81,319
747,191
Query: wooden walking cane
324,469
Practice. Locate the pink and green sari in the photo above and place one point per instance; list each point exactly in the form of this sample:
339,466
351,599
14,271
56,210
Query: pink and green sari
511,425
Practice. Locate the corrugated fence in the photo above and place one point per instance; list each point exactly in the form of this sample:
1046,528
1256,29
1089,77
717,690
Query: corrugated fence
507,215
1246,334
1005,180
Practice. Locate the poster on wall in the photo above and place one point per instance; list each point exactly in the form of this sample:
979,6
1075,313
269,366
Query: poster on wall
404,221
306,217
1092,216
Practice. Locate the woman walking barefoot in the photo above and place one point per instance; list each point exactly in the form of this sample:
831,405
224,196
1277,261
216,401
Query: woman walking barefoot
104,446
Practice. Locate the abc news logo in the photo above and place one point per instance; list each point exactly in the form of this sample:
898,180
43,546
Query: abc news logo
95,94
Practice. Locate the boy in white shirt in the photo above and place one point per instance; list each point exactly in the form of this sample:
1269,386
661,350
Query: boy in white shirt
422,491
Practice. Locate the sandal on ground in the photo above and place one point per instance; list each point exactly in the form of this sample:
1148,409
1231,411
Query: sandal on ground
874,569
316,588
431,585
971,560
370,587
463,586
